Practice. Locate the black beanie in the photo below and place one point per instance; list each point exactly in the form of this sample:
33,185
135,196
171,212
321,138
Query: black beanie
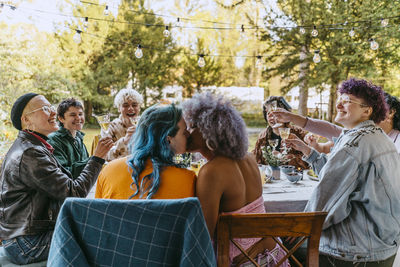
18,108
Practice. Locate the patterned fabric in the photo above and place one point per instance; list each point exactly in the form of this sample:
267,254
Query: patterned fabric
257,206
117,131
267,134
269,258
131,233
115,181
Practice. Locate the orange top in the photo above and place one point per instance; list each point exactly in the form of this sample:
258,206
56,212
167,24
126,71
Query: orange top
115,181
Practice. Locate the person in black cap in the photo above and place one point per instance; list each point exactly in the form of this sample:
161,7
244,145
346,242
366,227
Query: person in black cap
33,185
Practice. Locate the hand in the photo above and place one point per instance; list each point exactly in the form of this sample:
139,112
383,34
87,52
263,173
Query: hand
104,145
129,133
281,115
296,143
311,140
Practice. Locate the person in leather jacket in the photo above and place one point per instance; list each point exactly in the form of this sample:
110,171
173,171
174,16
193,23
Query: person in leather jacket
33,185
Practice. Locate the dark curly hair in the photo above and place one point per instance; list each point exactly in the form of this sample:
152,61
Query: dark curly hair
394,104
372,96
281,103
65,105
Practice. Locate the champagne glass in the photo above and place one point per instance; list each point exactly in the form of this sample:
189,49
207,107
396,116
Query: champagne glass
104,121
274,107
134,120
273,143
284,133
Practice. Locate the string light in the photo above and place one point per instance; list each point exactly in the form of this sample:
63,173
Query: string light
178,22
317,57
77,37
352,32
139,52
384,22
166,32
314,32
201,62
86,24
106,11
373,44
302,30
259,62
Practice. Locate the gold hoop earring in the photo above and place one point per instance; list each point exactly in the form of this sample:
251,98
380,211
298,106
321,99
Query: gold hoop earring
209,146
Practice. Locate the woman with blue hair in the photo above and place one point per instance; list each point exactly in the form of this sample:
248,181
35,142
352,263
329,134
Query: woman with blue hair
230,181
150,171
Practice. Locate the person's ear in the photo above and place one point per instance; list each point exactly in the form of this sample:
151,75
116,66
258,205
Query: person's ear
368,111
169,139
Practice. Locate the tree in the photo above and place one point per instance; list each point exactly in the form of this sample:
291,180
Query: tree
194,77
342,55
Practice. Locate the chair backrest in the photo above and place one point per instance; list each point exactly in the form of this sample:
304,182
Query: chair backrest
95,141
307,225
100,232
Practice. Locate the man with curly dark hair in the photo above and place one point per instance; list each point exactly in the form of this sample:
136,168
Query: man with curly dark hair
359,182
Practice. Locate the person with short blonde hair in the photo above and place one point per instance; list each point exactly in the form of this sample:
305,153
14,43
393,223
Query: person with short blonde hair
128,103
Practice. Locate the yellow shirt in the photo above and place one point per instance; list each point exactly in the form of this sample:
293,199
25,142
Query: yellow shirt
115,181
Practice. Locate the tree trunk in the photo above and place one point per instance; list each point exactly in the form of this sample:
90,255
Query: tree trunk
88,109
332,97
303,86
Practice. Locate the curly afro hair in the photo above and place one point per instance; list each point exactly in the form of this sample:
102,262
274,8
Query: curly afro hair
219,123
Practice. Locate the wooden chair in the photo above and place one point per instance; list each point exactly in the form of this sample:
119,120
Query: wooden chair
307,225
95,141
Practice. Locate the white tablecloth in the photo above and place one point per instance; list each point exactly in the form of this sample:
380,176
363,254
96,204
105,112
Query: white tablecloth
282,195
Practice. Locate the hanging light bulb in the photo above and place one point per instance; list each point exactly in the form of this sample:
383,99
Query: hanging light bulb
317,57
352,32
178,23
77,37
242,32
139,52
86,24
166,32
384,22
373,44
259,62
201,61
314,32
302,30
106,11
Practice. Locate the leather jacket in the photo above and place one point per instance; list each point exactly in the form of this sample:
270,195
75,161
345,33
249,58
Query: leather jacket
33,186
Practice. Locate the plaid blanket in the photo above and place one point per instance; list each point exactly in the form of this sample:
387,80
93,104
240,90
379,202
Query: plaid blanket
98,232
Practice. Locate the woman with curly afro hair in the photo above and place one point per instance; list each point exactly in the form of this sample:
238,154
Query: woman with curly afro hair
230,181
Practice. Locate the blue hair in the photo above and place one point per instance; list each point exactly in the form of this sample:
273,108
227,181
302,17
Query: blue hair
150,142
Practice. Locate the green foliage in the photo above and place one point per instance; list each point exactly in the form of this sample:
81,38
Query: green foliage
254,120
270,158
195,77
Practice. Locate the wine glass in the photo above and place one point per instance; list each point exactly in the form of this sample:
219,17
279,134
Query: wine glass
273,143
284,133
274,107
104,121
134,120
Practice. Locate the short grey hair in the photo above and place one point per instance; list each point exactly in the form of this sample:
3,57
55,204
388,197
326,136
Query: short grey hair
219,123
126,94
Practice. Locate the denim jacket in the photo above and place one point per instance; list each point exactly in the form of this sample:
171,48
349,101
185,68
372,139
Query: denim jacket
359,188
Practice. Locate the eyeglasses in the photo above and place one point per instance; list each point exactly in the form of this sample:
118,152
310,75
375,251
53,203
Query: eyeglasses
344,100
47,109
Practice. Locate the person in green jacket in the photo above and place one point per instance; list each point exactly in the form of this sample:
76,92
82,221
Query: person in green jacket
69,148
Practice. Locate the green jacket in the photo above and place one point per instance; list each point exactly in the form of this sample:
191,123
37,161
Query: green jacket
70,152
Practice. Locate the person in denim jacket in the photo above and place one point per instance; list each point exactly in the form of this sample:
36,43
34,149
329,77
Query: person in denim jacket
359,182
